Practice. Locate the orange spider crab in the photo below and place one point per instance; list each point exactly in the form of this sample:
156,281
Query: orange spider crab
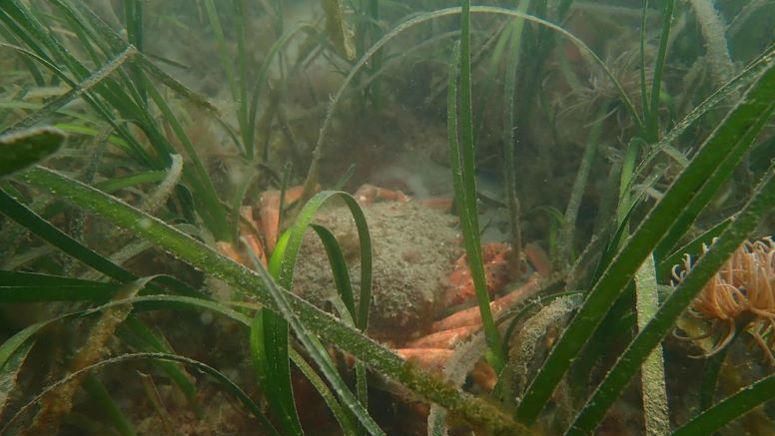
743,290
414,315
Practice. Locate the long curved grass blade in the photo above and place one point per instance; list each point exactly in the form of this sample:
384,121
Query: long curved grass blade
460,130
513,57
58,403
28,147
317,154
338,266
284,275
251,284
261,78
230,387
83,87
729,141
9,372
30,55
269,353
652,120
45,230
345,421
142,338
361,317
730,408
209,205
33,69
710,376
27,218
649,337
105,403
20,287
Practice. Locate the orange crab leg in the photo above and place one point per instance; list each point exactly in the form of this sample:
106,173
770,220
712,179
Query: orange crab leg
269,213
445,338
472,317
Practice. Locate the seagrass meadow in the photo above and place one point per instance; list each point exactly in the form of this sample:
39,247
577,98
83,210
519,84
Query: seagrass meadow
329,217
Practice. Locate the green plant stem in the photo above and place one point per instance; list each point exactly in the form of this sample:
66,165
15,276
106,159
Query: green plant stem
579,187
250,283
133,12
463,171
652,121
652,373
509,130
345,421
98,392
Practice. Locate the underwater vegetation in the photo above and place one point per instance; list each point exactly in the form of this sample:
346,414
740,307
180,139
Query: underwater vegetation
355,216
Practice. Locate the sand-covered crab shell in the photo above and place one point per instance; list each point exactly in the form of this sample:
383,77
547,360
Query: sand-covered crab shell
414,250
